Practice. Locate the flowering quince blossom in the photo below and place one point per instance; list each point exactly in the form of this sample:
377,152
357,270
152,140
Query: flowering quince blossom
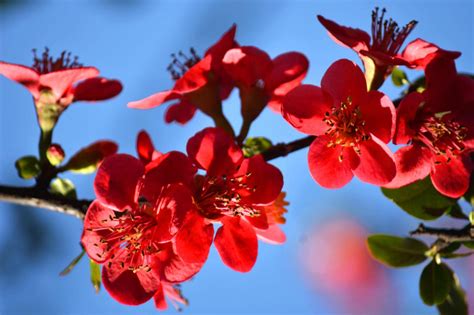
437,126
131,226
352,127
200,83
240,193
53,84
263,80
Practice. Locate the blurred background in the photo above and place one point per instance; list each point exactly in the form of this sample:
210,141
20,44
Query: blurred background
324,266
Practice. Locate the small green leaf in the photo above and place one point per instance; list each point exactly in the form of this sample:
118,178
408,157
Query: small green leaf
95,275
456,301
420,199
396,251
87,159
72,264
399,77
254,146
456,212
28,167
469,244
471,217
63,187
436,282
451,248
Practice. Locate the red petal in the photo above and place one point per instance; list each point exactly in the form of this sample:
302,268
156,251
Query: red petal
145,148
195,78
181,112
406,114
159,299
226,42
344,80
96,224
127,288
452,178
116,180
382,59
379,114
60,81
174,269
259,221
264,181
377,165
413,162
237,244
21,74
325,166
214,150
194,239
155,100
272,235
97,89
351,37
286,68
246,65
304,108
441,78
419,53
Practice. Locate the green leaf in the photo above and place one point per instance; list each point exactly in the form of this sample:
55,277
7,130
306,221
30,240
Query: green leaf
396,251
471,217
87,159
399,77
95,275
420,199
456,212
63,187
451,248
456,301
256,145
28,167
436,282
469,244
72,264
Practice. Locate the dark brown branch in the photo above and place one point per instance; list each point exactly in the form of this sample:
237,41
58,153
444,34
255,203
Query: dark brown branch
31,196
283,149
465,234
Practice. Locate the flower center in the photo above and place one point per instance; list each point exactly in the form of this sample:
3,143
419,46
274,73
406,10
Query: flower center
386,35
222,196
181,63
47,64
442,136
345,126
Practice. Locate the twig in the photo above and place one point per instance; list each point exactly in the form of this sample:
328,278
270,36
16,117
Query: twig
465,234
283,149
33,197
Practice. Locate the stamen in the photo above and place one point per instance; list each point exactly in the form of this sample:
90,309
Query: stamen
46,64
181,63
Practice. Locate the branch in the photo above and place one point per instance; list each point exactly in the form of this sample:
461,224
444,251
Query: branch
283,149
465,234
33,197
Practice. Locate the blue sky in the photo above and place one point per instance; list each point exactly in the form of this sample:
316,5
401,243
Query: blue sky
132,41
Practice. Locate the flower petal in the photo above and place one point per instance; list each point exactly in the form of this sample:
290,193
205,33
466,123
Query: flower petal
194,239
377,165
246,65
419,53
24,75
441,77
452,178
344,80
304,108
287,67
353,38
325,165
413,162
406,113
159,299
237,244
226,42
127,288
97,89
60,81
180,112
260,221
145,148
272,235
117,179
155,100
214,150
173,268
378,113
195,78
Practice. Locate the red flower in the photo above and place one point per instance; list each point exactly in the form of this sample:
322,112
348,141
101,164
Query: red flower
131,226
200,83
437,125
352,126
233,192
261,80
379,56
53,83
